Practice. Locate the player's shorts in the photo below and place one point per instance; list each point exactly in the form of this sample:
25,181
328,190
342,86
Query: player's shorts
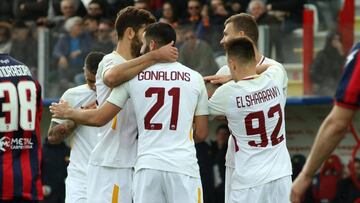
108,184
229,171
75,189
275,191
154,186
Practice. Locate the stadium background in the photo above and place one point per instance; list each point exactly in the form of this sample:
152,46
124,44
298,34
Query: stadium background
300,47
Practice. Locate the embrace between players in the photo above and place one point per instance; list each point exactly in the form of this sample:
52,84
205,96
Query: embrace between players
151,110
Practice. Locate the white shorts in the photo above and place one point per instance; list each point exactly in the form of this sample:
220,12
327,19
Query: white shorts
275,191
229,171
109,185
75,189
154,186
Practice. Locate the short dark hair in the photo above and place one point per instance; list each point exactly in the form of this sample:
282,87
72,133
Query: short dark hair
132,17
161,33
246,23
241,48
92,61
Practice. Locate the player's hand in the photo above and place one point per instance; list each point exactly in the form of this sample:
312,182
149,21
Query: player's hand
299,187
167,53
63,63
75,54
60,110
218,79
58,134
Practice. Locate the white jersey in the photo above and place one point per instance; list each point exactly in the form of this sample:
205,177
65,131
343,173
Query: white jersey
84,137
229,158
166,97
118,145
254,108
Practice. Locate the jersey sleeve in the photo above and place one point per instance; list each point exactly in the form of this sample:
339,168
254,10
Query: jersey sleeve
218,102
278,73
202,103
119,95
66,97
107,65
348,90
223,71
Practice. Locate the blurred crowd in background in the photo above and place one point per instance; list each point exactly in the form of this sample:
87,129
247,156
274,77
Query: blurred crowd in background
80,26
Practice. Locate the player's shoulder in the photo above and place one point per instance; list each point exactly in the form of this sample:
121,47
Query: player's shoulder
78,91
111,58
224,70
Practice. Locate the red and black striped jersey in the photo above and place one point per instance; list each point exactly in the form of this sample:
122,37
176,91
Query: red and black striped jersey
20,140
348,91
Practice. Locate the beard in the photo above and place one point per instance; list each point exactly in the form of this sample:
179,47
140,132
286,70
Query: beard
135,47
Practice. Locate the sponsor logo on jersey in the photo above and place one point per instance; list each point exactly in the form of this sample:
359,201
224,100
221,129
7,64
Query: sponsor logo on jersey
7,143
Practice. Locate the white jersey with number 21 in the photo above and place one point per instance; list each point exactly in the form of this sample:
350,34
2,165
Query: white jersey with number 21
166,97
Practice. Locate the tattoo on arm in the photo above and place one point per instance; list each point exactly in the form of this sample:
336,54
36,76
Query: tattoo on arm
59,131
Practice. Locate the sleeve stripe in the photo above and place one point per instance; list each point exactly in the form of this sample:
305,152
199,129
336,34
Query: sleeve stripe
353,89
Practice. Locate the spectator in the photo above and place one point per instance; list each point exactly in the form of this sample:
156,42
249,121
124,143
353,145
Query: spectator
113,6
6,9
67,10
257,8
30,9
142,4
5,37
193,17
55,161
71,49
327,66
292,12
213,32
203,154
24,45
55,5
168,15
91,25
235,7
219,148
347,191
103,41
95,9
197,54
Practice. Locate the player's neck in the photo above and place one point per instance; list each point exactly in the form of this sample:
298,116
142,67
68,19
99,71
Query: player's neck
244,72
124,49
258,56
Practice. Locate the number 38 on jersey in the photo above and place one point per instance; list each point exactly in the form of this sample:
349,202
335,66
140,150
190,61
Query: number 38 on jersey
18,107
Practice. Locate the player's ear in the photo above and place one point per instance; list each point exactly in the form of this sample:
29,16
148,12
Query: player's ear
231,63
242,34
130,33
152,45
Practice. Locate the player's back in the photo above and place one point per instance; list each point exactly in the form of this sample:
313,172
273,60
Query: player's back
117,146
165,98
254,108
20,140
84,137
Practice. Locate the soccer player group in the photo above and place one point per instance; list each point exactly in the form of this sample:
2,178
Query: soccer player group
151,110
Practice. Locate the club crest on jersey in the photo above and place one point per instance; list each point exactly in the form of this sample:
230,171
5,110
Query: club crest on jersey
7,143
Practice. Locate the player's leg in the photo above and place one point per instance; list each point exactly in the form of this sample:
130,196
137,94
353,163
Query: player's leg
108,184
148,186
280,189
181,188
229,171
75,189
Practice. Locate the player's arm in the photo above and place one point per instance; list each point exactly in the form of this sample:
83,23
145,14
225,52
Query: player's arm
123,72
60,131
92,117
201,129
331,132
